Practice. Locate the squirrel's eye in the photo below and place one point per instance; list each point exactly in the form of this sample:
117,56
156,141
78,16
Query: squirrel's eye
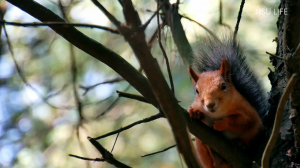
223,86
197,91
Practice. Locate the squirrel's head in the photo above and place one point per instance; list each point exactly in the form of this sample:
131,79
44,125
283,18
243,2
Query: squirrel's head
212,88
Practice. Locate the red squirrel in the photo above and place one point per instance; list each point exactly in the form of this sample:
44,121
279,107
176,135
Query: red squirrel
229,97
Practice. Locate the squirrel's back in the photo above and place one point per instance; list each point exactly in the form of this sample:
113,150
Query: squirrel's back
208,56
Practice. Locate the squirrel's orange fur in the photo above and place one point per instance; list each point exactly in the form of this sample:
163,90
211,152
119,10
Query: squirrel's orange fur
219,105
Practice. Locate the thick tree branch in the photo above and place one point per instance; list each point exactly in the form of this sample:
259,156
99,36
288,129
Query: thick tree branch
130,74
166,99
90,46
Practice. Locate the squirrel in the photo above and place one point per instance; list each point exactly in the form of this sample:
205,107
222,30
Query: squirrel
229,96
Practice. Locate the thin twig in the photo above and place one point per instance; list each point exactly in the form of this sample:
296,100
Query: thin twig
83,150
297,52
107,14
272,55
97,102
74,80
177,3
145,120
221,15
154,35
238,19
112,105
164,52
255,164
88,88
23,78
57,92
120,1
277,122
38,24
180,158
144,26
201,25
62,10
107,156
88,159
170,147
115,143
132,96
221,12
73,70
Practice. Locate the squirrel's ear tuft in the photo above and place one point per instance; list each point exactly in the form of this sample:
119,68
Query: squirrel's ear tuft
193,75
225,70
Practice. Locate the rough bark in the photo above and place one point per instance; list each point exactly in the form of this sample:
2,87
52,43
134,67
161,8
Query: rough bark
285,152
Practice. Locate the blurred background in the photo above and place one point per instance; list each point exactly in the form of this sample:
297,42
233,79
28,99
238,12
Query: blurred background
39,121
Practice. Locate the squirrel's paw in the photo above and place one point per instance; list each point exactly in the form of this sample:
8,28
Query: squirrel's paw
195,114
219,125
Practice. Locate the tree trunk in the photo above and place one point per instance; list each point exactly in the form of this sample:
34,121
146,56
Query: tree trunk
286,151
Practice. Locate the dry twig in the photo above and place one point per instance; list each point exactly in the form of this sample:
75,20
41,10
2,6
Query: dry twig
145,120
277,123
63,24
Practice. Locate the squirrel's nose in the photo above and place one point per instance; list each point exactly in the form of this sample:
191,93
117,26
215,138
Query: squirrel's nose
210,105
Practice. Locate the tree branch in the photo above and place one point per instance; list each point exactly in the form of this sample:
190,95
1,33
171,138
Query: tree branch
107,156
290,47
88,88
238,19
144,26
172,18
90,46
166,99
112,105
22,76
88,159
278,119
36,24
205,28
214,140
132,96
112,149
170,147
272,55
107,14
163,50
145,120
